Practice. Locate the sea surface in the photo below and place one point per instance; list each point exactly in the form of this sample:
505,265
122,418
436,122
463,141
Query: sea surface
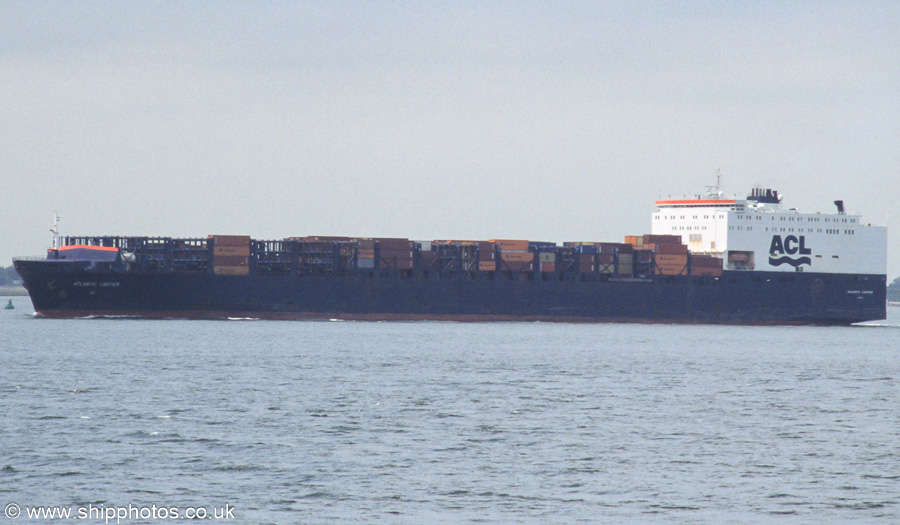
424,422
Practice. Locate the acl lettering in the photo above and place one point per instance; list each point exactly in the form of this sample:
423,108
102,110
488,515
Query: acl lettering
791,245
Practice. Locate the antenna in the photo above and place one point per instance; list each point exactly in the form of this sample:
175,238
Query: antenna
55,230
713,191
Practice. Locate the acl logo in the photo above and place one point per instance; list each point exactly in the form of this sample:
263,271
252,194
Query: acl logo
791,245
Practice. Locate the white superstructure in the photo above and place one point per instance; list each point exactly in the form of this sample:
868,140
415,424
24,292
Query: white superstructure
758,234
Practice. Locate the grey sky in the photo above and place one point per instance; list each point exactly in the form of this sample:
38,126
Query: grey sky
545,120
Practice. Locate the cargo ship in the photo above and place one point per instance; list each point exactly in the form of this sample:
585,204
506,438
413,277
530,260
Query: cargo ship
707,259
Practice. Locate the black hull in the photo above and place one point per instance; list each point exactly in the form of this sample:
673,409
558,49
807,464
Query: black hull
747,297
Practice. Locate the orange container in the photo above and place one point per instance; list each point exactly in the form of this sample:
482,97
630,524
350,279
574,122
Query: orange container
513,245
662,258
243,250
487,266
517,256
230,260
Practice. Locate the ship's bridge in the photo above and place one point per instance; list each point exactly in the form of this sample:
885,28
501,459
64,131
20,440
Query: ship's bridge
757,233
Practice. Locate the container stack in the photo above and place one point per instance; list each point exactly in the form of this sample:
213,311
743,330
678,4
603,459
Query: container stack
487,256
706,265
547,261
395,253
587,258
671,257
514,255
665,254
231,254
365,253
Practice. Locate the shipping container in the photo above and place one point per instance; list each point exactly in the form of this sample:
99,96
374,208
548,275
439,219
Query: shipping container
707,261
547,257
586,267
626,268
398,254
661,239
517,256
607,258
231,270
512,245
487,266
365,263
365,254
716,272
230,260
424,246
671,249
394,244
458,242
665,269
318,238
548,266
516,266
662,258
243,251
366,244
230,240
634,240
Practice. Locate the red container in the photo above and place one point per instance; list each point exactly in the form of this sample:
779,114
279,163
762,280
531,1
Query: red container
670,249
394,244
705,261
231,240
661,239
